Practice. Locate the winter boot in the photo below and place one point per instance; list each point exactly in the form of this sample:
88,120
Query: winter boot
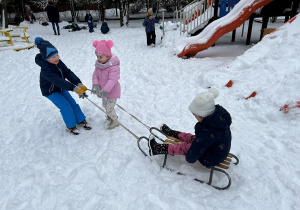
168,131
55,33
157,149
85,125
73,131
113,124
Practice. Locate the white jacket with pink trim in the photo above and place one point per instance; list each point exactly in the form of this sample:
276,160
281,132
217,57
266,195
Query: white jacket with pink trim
108,79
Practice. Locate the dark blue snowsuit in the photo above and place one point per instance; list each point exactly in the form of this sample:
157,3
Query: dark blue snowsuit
213,139
55,87
150,29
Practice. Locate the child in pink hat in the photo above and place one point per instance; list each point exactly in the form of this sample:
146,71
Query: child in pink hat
106,79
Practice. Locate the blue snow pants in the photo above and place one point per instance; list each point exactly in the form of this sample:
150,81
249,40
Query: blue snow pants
69,109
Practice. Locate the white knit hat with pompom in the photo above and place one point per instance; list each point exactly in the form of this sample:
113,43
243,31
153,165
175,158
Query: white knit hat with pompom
204,103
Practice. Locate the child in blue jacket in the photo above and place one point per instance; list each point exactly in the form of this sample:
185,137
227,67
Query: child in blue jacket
55,82
104,27
89,20
149,24
212,142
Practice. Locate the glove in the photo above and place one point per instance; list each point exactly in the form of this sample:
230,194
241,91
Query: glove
79,90
95,89
80,85
103,94
84,95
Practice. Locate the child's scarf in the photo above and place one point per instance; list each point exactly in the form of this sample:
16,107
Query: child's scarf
106,65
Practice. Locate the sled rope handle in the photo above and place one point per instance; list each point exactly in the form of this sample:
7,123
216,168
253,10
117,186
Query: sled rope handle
110,117
133,117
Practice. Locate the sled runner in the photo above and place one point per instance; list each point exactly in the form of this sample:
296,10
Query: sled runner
160,135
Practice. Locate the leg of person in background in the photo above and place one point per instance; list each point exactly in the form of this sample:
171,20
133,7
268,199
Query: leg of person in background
148,38
57,26
153,37
30,18
53,26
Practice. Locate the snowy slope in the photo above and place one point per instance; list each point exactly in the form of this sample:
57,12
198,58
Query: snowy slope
43,167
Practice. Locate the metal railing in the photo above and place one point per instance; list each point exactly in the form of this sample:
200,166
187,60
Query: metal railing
194,16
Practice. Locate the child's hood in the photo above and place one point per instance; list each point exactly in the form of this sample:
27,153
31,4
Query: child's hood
220,119
114,58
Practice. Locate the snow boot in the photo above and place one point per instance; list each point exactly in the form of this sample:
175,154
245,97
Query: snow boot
157,149
168,131
85,125
113,124
73,131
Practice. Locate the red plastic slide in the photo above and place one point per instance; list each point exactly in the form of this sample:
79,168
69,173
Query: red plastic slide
244,10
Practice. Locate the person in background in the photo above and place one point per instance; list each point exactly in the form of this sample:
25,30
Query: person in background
212,140
56,79
29,13
89,20
53,16
104,27
106,79
149,24
43,20
17,19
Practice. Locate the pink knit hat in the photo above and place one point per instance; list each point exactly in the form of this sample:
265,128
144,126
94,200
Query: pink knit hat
103,47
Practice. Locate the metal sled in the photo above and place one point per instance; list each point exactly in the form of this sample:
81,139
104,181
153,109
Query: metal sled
231,159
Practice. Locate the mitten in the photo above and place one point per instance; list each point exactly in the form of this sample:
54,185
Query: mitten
78,90
95,89
80,85
103,94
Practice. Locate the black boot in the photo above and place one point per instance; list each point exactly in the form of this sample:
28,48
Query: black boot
157,149
85,125
55,33
168,131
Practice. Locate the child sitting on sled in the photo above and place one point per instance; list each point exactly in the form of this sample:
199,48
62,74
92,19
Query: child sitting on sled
212,140
56,79
106,79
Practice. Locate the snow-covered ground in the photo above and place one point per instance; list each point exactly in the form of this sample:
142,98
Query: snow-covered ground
44,167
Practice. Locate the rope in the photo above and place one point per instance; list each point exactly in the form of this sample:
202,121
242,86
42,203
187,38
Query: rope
110,117
133,116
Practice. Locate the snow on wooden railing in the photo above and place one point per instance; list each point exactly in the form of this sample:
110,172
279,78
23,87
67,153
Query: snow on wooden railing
194,15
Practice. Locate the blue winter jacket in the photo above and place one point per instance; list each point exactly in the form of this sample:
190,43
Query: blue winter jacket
150,24
53,77
213,139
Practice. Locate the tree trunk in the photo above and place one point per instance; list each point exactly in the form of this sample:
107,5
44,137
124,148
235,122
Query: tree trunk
116,5
121,13
4,7
150,4
101,11
127,14
73,11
